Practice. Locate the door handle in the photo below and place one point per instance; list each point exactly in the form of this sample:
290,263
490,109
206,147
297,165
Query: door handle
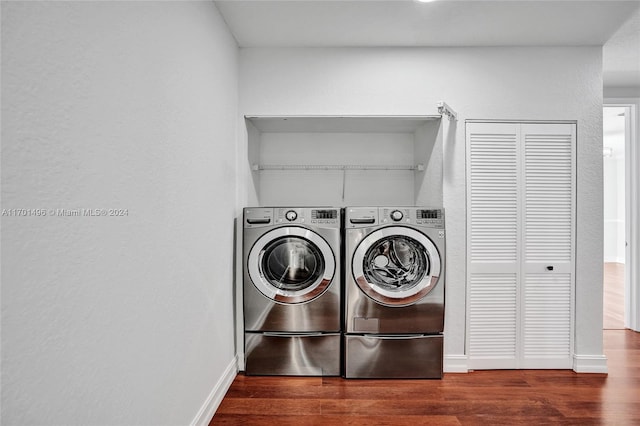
550,268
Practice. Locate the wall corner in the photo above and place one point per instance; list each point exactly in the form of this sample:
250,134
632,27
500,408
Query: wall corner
455,364
590,364
211,404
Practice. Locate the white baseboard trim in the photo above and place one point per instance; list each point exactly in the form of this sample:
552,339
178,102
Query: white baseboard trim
208,409
613,259
455,364
590,364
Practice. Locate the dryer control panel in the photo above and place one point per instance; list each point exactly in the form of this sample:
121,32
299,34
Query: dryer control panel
360,217
430,217
363,217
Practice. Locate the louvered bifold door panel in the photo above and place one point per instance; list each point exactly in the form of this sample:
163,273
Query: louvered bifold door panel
492,320
492,244
547,321
548,239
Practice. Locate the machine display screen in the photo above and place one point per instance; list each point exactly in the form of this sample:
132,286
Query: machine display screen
428,214
324,214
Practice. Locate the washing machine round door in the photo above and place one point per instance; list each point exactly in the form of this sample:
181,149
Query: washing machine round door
291,265
396,266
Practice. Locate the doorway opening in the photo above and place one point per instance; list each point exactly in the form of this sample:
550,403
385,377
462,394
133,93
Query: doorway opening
615,190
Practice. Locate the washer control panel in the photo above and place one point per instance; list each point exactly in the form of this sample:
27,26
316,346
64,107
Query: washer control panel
396,215
255,217
325,217
291,215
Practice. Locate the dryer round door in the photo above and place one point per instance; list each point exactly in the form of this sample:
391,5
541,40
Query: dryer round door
396,266
291,265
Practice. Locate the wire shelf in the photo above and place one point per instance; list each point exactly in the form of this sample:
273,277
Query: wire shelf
341,167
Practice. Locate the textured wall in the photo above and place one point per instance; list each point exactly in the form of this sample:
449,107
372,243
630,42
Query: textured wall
129,105
479,83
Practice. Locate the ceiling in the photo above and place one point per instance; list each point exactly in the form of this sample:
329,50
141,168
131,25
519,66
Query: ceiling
354,23
621,54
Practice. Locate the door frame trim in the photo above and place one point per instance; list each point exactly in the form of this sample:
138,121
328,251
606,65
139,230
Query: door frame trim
632,209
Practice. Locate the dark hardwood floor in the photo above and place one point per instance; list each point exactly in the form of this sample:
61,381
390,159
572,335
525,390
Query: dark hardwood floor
613,297
505,397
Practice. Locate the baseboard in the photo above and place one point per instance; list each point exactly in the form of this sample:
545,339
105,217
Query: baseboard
455,364
613,259
208,409
590,364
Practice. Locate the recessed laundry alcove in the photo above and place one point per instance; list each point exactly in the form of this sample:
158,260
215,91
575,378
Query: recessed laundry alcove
339,161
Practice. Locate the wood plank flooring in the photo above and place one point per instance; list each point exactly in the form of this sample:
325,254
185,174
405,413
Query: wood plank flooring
505,397
613,297
502,397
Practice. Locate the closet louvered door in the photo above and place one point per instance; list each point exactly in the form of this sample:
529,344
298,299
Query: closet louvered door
520,215
548,254
492,241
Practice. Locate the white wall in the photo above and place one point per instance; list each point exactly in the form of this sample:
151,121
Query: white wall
623,92
335,188
131,105
479,83
614,209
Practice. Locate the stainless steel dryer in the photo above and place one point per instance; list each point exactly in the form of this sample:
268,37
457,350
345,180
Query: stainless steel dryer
394,292
292,291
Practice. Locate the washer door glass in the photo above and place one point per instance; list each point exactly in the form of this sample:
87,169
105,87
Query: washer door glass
396,266
291,265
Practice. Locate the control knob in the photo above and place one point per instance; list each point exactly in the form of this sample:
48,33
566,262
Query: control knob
396,215
291,215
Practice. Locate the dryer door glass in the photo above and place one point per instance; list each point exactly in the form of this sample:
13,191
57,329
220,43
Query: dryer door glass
396,266
396,263
292,263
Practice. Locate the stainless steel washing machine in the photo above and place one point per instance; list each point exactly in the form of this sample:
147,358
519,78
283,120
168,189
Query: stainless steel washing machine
292,276
394,292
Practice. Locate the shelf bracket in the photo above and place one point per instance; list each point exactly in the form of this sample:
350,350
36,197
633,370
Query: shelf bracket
444,109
